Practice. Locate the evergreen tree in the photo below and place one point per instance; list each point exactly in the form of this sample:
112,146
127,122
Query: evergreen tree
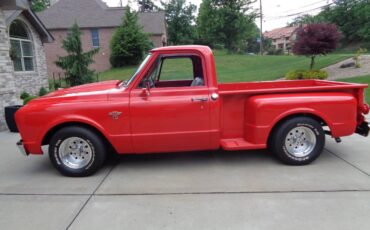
39,5
129,42
76,63
180,19
226,22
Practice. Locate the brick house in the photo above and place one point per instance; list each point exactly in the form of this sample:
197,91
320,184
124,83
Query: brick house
98,23
22,56
282,38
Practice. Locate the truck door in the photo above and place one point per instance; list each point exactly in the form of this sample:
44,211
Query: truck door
170,108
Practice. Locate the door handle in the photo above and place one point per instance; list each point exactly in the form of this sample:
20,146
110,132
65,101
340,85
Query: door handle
200,99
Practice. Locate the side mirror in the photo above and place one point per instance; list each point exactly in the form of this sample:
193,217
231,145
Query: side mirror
146,89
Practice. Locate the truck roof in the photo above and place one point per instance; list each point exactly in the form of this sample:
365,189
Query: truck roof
202,49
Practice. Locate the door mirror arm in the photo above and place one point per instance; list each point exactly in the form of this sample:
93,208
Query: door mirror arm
146,89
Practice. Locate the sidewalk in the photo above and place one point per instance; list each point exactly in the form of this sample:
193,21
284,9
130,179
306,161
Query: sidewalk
200,190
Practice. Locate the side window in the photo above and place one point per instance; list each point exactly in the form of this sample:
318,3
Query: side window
177,69
95,38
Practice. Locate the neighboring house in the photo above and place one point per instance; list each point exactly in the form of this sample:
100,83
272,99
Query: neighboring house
282,38
98,23
22,57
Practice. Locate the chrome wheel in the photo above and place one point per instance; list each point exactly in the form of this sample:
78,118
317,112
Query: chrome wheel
75,152
300,141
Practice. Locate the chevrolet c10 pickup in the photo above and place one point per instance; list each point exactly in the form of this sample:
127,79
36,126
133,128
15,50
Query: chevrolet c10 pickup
161,109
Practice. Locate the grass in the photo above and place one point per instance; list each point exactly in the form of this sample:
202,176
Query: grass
236,68
360,79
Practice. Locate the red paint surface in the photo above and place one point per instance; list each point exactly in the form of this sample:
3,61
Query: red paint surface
168,120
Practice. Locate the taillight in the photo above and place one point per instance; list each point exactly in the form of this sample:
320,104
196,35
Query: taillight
365,109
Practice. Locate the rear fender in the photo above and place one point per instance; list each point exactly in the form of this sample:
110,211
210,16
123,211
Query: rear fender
337,110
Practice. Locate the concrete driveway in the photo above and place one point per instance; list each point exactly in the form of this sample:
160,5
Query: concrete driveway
200,190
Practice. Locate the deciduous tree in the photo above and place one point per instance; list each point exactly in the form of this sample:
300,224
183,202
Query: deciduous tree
180,20
352,17
226,22
316,39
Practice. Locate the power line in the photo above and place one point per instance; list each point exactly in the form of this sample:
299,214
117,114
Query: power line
300,7
298,13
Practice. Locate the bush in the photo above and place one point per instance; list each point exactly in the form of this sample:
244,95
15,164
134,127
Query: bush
27,99
273,51
306,74
42,91
24,95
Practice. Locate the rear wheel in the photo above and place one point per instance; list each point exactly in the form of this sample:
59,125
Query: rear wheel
77,151
298,141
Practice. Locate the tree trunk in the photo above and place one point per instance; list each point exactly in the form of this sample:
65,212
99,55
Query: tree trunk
312,62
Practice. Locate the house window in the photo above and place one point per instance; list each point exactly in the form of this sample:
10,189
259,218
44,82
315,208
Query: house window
95,37
21,47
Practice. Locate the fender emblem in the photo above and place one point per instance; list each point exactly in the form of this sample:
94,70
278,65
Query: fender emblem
115,114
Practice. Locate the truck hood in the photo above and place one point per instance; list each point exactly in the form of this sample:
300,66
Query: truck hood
87,89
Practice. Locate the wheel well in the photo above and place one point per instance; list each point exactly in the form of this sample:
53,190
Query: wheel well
51,132
315,117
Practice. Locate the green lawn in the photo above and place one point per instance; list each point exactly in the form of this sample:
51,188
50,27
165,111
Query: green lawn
234,68
361,79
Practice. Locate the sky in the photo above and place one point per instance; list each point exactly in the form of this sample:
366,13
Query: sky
277,13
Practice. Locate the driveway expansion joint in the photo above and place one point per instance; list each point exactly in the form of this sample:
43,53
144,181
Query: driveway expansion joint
91,195
353,165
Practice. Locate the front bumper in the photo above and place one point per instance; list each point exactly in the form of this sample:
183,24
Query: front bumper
21,148
363,129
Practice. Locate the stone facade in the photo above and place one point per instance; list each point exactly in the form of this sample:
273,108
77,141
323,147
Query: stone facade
32,81
12,83
7,85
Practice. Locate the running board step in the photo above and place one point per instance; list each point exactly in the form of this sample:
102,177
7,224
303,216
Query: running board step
239,144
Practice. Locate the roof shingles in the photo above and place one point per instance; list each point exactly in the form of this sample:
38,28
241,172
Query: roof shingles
95,14
280,32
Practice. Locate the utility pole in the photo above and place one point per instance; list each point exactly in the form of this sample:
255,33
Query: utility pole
261,30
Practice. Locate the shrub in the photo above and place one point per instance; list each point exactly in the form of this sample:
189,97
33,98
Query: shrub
357,57
306,74
24,95
27,99
273,51
42,91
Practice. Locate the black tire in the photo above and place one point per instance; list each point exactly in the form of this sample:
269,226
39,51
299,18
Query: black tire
92,141
284,147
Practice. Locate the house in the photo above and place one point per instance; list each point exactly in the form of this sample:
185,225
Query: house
98,23
282,38
22,56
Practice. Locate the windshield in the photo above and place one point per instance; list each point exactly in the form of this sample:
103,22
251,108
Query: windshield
128,82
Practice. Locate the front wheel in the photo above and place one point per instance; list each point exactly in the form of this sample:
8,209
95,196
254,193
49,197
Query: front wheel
298,141
77,151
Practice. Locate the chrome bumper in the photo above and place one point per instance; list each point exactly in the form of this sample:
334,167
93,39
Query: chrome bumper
21,148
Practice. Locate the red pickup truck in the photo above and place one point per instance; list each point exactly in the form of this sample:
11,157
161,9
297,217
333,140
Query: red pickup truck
166,109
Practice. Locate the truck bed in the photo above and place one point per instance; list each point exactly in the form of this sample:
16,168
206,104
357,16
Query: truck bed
285,86
238,114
